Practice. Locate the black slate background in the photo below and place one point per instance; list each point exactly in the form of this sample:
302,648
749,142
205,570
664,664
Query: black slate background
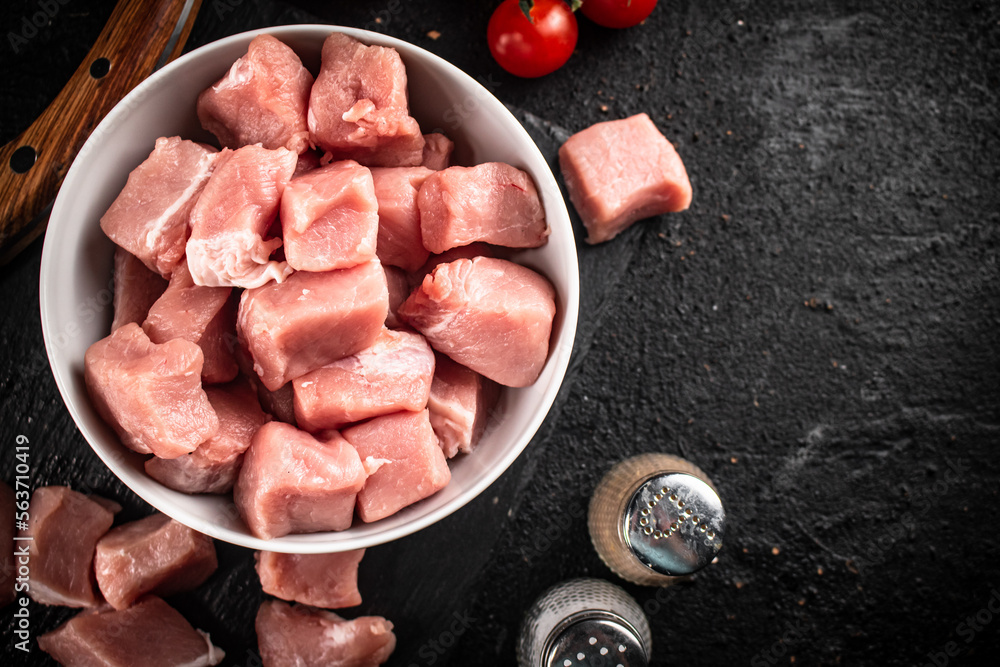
819,332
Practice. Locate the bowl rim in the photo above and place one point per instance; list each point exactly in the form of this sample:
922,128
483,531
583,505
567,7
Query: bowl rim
560,347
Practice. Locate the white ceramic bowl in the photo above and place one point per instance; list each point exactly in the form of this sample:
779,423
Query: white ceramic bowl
76,270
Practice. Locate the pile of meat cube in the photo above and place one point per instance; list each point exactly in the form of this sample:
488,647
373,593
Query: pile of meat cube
318,315
119,577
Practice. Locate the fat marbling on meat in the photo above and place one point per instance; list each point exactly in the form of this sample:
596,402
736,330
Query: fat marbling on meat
490,315
393,374
359,108
262,99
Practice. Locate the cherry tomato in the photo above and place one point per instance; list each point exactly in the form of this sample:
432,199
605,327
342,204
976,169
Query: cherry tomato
532,48
617,13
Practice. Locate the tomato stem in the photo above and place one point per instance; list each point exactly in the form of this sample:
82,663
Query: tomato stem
527,5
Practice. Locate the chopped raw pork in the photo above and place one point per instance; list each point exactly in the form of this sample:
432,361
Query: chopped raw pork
300,636
399,238
150,216
491,315
213,467
492,202
470,251
293,483
136,288
232,216
65,526
330,218
261,100
393,374
437,151
151,634
403,460
152,555
312,319
460,405
202,315
621,171
398,284
358,108
7,514
321,580
150,394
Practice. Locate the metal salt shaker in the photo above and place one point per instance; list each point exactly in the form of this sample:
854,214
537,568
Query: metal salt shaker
655,518
584,622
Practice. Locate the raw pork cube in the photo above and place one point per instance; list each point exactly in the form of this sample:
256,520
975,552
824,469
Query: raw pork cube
492,202
136,289
150,394
358,108
437,151
7,514
293,483
65,526
151,634
470,251
232,216
403,460
261,100
329,218
621,171
398,284
199,314
152,555
312,319
150,216
299,636
321,580
491,315
399,239
393,374
460,405
212,468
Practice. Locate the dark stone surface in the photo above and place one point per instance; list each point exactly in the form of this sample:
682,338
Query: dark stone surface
818,332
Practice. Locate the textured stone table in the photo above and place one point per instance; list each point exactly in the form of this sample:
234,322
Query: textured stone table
819,332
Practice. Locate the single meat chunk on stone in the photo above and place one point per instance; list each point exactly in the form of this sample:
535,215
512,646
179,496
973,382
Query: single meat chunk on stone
150,394
300,636
437,151
136,289
293,483
65,526
621,171
150,216
460,405
7,513
213,467
152,555
403,459
398,284
399,238
393,374
151,634
232,216
190,311
312,319
329,218
261,100
359,109
490,315
329,581
492,202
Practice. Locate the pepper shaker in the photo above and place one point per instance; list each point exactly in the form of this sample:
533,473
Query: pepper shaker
584,622
655,518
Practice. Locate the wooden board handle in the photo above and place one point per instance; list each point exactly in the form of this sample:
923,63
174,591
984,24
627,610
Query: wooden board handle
134,42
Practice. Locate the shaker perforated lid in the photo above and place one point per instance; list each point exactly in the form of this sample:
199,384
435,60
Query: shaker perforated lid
674,523
584,623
